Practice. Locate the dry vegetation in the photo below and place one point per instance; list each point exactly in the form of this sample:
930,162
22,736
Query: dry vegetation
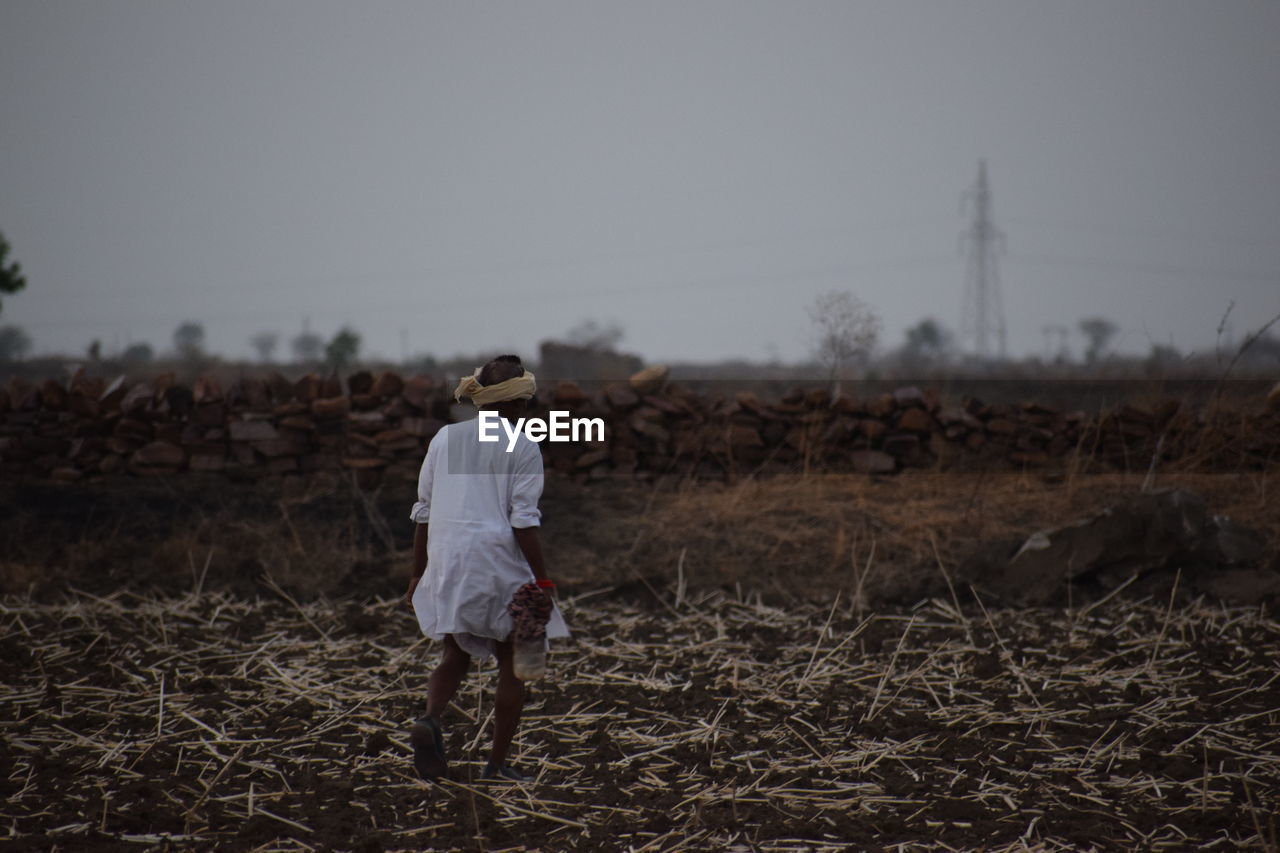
881,540
783,664
711,723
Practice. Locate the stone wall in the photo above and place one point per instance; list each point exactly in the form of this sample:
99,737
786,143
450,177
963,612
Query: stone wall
378,427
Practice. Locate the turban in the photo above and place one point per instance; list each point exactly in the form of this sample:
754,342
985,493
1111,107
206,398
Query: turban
517,388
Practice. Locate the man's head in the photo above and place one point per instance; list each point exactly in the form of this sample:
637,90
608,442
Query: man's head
501,369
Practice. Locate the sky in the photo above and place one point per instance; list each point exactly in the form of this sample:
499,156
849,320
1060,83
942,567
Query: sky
462,177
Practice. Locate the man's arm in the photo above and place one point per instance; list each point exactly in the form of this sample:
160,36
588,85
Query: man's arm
419,560
531,547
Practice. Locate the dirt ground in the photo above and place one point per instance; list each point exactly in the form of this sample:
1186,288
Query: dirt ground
708,722
786,664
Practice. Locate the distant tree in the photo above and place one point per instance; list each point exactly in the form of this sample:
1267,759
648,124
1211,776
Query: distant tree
845,332
341,351
1161,358
94,350
11,278
138,354
927,341
188,341
307,347
265,343
14,343
1098,332
589,334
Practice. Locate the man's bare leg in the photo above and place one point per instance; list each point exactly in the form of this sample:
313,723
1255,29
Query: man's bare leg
427,735
446,677
508,702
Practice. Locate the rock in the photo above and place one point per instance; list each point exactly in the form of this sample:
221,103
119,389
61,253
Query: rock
569,394
277,447
908,396
255,430
207,462
110,399
333,407
421,427
872,462
363,462
881,406
591,458
621,396
915,420
871,429
308,388
901,445
207,390
53,396
138,398
417,392
1273,398
360,382
23,395
1001,426
158,457
387,385
1166,529
650,380
280,389
744,435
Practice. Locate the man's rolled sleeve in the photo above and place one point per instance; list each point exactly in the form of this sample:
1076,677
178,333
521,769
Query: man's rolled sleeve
421,511
526,488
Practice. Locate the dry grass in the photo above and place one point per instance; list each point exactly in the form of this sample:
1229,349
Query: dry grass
805,537
718,724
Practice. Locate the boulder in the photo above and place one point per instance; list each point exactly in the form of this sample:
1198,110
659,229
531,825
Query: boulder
1170,529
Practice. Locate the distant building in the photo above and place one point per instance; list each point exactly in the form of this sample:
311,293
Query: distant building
580,364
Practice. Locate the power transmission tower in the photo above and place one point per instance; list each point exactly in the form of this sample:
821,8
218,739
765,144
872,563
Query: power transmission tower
982,321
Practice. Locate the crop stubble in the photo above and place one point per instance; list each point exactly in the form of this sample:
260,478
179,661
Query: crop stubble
711,723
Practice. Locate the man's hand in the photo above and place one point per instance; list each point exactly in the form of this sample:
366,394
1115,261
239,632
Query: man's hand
413,584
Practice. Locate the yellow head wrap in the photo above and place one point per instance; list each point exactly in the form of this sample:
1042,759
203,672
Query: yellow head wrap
517,388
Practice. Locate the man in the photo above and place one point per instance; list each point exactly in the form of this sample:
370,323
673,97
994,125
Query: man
480,502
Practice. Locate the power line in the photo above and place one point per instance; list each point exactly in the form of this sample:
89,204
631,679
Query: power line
1144,267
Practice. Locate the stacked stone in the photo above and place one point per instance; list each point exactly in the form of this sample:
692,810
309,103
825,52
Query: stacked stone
379,426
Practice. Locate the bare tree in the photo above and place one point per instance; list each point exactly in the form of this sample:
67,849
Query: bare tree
1098,331
601,337
188,340
265,343
845,331
307,347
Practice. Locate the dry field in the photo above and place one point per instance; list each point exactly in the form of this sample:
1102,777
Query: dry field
709,721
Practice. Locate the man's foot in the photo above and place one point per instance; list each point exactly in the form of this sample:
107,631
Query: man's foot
502,773
428,749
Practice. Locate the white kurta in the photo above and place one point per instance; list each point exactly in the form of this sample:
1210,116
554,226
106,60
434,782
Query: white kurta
472,493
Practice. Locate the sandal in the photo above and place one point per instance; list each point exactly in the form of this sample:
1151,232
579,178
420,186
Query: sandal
428,749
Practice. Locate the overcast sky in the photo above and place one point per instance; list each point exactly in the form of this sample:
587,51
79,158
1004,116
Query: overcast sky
455,177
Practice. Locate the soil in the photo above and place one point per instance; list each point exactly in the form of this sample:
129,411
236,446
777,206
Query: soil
710,722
